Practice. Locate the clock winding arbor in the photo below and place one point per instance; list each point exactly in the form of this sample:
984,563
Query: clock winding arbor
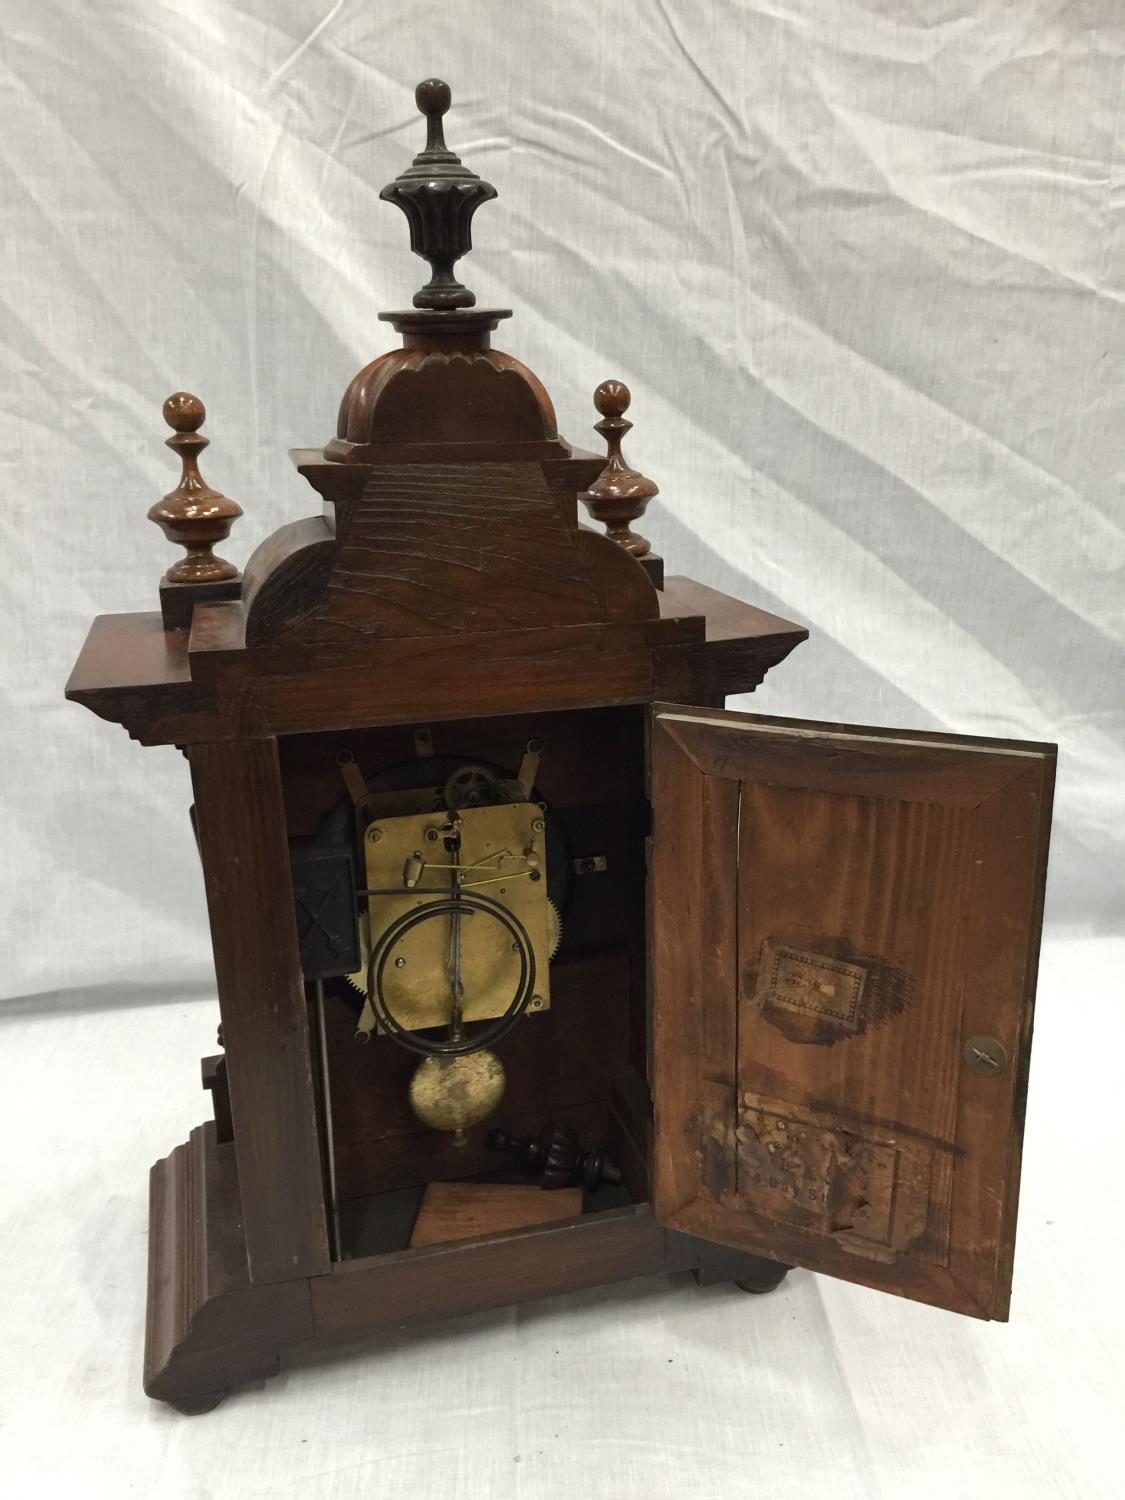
746,992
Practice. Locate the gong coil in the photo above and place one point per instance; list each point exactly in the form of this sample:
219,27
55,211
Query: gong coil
465,904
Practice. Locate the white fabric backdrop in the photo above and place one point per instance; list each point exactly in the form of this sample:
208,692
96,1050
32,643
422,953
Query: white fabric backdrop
861,264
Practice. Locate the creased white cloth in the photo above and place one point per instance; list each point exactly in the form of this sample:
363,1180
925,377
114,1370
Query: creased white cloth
862,266
654,1390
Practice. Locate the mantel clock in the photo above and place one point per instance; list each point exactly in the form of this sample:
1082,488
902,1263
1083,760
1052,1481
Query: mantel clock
536,968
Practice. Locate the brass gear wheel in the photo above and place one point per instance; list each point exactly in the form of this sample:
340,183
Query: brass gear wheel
554,928
470,786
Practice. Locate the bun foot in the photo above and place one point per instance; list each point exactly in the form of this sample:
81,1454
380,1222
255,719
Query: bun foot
197,1406
768,1279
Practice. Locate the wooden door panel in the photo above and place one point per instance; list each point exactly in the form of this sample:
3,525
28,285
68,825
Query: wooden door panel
836,913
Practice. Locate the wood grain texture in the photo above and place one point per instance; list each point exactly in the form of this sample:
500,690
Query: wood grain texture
467,1210
133,672
285,580
433,396
385,1292
434,548
886,898
207,1327
739,646
262,1002
210,1329
437,548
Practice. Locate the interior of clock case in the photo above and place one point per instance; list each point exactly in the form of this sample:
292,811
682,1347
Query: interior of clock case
580,1063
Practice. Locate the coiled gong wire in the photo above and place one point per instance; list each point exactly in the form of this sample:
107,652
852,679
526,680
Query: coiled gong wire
464,904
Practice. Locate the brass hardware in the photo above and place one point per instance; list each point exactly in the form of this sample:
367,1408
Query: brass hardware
452,1093
591,864
352,775
985,1055
471,786
492,855
529,767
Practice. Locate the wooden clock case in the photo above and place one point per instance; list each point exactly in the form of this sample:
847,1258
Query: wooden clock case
794,991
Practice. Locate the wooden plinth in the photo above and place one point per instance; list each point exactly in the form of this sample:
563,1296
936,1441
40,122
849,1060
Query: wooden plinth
210,1330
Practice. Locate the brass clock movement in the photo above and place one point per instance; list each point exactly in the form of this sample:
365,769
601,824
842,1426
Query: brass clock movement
457,926
538,969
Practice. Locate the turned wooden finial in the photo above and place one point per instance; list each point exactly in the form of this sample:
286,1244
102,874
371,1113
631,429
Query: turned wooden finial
193,514
619,494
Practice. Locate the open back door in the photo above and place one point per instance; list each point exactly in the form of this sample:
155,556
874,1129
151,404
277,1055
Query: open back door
845,928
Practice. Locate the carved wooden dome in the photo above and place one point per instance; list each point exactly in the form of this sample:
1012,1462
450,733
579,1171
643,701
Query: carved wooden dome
446,385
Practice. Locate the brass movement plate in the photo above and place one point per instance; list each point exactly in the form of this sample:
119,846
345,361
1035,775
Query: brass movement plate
494,863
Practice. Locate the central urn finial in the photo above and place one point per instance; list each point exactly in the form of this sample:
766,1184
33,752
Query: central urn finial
439,197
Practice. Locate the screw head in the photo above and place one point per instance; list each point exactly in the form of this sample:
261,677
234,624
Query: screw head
535,1003
374,834
400,963
985,1055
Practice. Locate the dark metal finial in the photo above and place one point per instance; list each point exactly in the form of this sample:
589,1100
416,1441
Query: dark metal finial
433,99
439,197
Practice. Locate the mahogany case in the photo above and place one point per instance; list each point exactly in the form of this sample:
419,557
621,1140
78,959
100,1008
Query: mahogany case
794,993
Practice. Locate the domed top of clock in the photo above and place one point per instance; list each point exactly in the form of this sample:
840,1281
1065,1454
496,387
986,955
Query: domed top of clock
446,384
439,196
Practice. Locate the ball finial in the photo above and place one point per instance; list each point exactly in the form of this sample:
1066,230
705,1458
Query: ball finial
619,494
184,412
612,398
433,97
193,515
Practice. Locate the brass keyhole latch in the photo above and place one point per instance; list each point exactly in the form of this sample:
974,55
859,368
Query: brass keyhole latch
985,1055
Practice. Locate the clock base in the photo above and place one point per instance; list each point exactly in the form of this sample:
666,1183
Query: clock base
210,1330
